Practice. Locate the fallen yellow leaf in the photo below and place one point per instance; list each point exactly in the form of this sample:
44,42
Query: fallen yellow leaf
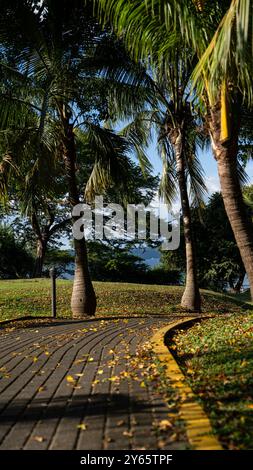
39,438
70,379
114,378
127,434
164,424
120,422
82,426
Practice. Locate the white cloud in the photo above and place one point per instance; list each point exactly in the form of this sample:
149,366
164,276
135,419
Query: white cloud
163,209
212,184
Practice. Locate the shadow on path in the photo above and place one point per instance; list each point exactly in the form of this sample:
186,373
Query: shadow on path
88,405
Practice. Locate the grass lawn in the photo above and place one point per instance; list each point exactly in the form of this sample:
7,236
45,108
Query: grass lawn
217,357
33,297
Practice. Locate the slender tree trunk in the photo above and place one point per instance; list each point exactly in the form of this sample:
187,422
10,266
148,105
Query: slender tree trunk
191,297
236,286
42,238
239,283
226,156
83,300
40,257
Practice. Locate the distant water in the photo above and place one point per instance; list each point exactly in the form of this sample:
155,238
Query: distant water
245,285
151,257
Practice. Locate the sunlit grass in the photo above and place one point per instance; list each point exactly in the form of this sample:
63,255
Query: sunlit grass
217,358
33,297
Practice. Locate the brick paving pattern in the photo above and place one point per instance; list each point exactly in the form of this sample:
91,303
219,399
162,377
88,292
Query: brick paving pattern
58,388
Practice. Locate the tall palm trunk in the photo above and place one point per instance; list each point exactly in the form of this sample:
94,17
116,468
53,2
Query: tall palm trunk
83,300
191,297
226,156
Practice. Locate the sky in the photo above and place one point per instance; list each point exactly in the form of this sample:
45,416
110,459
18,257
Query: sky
209,165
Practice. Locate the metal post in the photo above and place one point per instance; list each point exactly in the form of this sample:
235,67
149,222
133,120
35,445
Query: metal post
53,278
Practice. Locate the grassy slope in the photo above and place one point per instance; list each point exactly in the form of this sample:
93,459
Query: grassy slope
217,358
32,297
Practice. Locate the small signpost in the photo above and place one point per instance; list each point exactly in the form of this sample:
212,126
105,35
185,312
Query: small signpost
52,272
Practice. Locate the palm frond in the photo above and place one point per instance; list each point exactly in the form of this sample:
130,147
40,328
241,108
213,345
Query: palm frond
168,188
198,189
242,175
229,54
139,134
110,160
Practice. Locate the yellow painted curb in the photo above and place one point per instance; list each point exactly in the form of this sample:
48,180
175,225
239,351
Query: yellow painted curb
198,428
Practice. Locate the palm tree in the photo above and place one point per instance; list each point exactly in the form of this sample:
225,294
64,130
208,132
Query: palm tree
179,136
179,140
179,133
227,66
219,33
47,65
57,75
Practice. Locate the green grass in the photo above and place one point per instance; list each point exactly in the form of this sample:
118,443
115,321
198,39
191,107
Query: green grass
32,297
217,357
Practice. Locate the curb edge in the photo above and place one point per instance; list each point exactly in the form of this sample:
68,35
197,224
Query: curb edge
198,427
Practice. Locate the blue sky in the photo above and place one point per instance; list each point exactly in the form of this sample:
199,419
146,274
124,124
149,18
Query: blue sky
209,165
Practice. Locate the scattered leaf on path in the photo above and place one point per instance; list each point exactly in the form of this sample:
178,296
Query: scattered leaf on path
164,425
70,379
38,438
120,422
82,426
127,434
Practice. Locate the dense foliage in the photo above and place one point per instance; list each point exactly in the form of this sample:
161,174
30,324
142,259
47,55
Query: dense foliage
219,262
15,260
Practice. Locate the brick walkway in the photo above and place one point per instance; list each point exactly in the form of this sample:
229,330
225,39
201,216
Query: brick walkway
60,387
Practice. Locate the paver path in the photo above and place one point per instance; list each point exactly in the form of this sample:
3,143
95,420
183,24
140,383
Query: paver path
60,386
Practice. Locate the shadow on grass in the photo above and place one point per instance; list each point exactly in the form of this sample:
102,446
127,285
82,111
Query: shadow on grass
42,322
222,356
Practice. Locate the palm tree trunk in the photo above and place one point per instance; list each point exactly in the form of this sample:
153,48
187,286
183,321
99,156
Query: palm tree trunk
83,300
226,156
191,298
